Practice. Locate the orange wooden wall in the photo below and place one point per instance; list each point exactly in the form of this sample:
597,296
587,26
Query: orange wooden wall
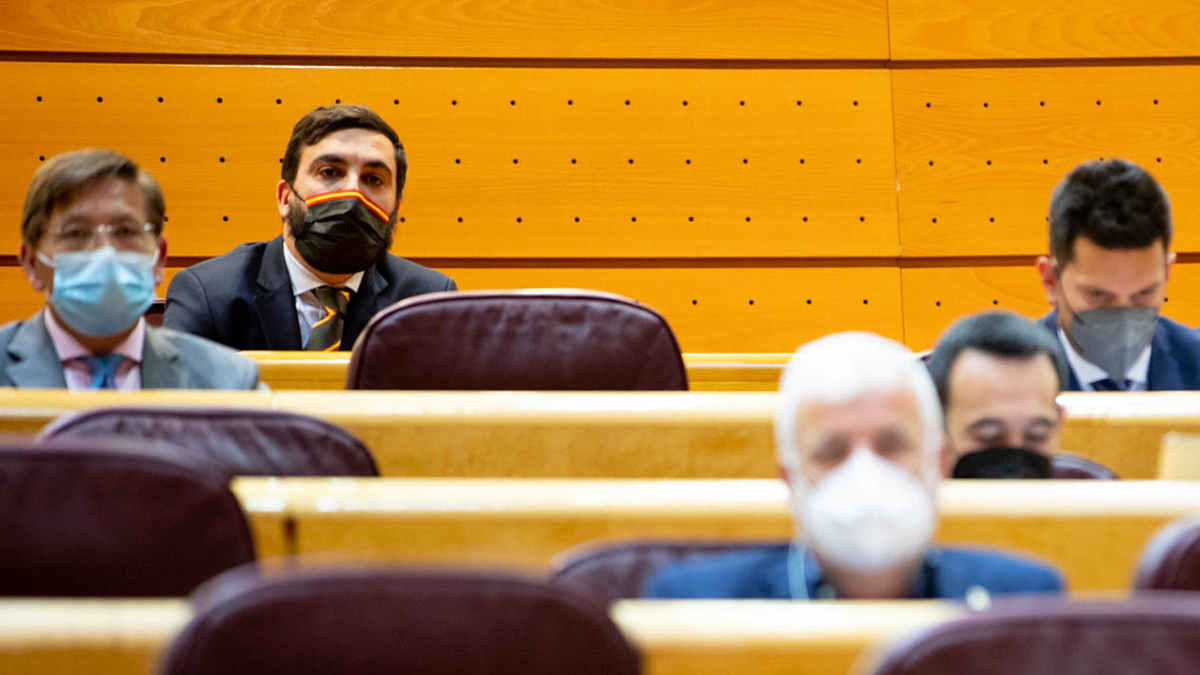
762,172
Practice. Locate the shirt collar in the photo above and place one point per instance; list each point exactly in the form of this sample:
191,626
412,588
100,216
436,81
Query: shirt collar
810,582
68,347
1088,372
304,281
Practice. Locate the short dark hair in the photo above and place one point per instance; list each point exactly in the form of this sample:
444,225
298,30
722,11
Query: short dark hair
1115,204
1002,334
58,182
327,119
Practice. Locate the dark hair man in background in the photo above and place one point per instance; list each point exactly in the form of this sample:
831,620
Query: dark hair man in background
318,284
91,240
998,375
1106,276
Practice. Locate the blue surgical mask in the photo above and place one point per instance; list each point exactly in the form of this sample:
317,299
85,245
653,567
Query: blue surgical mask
101,292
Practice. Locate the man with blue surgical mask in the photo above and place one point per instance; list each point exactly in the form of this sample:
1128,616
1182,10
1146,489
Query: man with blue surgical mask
858,434
1106,277
91,241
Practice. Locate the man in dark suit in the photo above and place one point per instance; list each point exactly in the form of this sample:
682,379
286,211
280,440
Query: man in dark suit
858,434
317,285
1106,277
91,240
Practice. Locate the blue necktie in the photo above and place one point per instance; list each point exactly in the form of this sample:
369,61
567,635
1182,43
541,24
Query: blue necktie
104,370
1109,384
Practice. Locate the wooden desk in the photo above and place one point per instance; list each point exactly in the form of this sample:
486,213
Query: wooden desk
706,372
606,434
1094,531
128,637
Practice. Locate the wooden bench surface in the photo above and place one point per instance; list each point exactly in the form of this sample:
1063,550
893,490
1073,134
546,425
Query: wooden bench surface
128,637
604,435
1094,531
706,372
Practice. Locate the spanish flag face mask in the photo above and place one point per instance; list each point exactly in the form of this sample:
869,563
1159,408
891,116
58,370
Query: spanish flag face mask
340,232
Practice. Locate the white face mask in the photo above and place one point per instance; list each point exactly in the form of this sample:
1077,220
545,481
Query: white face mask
867,514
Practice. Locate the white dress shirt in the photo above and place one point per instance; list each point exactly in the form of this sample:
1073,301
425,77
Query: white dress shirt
1089,373
309,309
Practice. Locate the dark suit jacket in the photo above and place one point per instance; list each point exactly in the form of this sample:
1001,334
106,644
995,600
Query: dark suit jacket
1174,356
170,360
762,573
244,299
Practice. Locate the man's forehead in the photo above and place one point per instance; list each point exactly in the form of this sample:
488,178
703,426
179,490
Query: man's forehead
352,146
110,194
866,410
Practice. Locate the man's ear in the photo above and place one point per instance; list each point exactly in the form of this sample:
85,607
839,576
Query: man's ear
784,474
162,262
1050,281
1062,416
28,257
283,197
946,459
1170,263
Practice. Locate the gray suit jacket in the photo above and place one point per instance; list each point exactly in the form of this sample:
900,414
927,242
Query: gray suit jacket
170,360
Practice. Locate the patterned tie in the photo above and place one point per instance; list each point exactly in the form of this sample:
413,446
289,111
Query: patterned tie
1109,384
326,335
104,370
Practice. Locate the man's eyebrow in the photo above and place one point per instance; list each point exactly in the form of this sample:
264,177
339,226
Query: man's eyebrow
1094,289
985,422
378,164
1149,289
328,158
1040,422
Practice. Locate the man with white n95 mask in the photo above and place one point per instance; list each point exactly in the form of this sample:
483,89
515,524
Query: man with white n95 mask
91,241
858,434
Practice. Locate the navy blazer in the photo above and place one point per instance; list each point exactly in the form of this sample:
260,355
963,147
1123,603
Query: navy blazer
244,298
1174,356
762,572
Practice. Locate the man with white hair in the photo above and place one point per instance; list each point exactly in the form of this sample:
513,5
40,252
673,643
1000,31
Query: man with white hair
859,439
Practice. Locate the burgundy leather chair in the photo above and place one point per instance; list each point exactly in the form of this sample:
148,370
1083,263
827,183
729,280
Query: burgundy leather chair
247,442
1156,633
611,572
1065,465
1171,561
108,517
365,622
553,340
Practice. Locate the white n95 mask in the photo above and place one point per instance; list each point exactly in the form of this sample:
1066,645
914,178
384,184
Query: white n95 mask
867,514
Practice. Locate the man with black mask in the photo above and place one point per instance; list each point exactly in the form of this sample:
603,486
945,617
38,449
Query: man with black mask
998,375
318,284
1106,277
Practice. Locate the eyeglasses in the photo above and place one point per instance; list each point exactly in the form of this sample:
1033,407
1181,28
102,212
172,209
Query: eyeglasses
124,236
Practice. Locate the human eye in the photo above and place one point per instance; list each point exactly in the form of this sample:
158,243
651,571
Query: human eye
329,172
375,180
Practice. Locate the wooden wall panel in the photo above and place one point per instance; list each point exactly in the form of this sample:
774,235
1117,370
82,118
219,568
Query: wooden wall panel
724,162
934,297
1042,29
670,29
722,318
1033,125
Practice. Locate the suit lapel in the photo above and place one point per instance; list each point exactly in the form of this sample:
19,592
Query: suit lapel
365,304
33,361
160,363
1164,373
275,302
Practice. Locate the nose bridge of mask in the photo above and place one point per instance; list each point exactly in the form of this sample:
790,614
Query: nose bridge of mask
349,197
95,255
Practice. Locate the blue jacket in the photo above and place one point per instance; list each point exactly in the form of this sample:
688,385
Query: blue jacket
762,572
1174,356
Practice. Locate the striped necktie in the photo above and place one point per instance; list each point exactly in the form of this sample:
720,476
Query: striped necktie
104,370
326,335
1109,384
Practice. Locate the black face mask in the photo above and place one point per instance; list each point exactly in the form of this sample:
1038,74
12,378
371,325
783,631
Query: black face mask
1002,463
340,232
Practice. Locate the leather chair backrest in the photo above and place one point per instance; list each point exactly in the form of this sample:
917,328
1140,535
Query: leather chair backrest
618,571
1156,634
248,442
1171,561
362,622
551,340
1065,465
114,517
